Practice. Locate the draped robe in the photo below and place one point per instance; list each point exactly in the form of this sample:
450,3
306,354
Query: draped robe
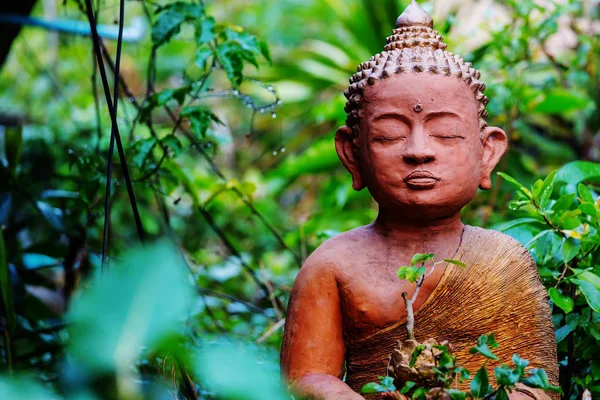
499,291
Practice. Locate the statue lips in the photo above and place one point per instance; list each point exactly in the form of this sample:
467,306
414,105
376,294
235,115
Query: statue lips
421,180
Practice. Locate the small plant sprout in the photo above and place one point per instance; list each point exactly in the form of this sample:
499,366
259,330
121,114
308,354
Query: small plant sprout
417,272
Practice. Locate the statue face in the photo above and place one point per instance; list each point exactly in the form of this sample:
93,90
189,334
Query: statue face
420,146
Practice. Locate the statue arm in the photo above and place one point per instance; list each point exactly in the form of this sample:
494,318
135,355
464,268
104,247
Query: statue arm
313,351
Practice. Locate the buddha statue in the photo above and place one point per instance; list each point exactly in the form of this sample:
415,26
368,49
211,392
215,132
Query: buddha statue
416,137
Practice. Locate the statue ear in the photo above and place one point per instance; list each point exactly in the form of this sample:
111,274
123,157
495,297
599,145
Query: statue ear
495,143
345,149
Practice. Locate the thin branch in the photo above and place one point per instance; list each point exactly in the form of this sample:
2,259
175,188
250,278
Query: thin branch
271,331
111,148
113,116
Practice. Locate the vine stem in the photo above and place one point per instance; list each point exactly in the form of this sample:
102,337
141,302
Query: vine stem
113,117
410,314
111,148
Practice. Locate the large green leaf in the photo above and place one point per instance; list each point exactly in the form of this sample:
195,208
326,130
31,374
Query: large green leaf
235,371
591,293
480,384
559,101
578,171
138,301
504,226
17,388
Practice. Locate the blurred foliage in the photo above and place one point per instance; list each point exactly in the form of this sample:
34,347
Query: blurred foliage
230,147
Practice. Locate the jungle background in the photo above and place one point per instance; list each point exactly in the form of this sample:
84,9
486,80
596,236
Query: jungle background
226,112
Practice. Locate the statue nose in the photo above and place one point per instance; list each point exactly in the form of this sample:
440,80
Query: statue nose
418,152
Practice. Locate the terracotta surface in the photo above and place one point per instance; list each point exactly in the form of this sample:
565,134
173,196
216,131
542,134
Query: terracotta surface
416,138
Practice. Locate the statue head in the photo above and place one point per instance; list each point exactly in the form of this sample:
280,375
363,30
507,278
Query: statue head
416,134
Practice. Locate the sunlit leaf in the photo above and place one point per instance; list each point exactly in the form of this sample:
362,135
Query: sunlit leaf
558,101
127,308
562,301
578,171
421,258
455,262
591,293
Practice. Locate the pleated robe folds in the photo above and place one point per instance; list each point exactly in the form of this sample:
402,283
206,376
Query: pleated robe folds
499,291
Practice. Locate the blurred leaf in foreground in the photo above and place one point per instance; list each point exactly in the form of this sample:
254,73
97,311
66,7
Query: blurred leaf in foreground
234,371
140,299
20,388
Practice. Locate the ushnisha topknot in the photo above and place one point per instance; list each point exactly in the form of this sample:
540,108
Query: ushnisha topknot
413,47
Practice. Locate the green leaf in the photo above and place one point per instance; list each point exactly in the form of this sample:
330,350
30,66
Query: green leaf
13,143
511,180
372,387
127,308
585,194
264,50
169,20
402,272
589,209
456,394
514,223
546,190
202,56
387,382
560,101
142,151
588,276
205,30
201,118
564,302
578,171
570,248
415,354
463,373
421,258
231,58
15,387
54,216
238,371
501,394
480,384
455,262
564,331
6,288
591,293
35,261
407,387
414,273
173,143
537,379
564,202
520,364
506,376
420,394
491,341
482,346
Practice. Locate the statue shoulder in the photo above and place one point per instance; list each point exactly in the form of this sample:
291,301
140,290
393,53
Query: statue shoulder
339,252
498,245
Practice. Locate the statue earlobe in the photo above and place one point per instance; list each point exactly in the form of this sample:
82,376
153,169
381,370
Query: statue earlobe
345,150
495,144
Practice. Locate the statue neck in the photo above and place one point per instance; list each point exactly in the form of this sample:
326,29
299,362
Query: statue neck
423,235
